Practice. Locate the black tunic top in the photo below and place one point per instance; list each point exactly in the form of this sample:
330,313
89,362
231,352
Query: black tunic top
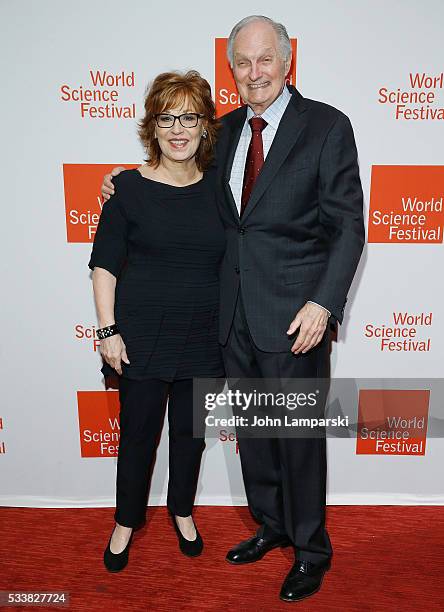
164,244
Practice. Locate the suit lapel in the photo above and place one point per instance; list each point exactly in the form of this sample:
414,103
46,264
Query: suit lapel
233,140
290,129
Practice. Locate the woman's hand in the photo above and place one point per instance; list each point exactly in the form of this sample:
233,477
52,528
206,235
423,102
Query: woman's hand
113,351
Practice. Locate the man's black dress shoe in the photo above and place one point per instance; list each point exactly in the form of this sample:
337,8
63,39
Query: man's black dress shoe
116,562
190,548
304,579
256,547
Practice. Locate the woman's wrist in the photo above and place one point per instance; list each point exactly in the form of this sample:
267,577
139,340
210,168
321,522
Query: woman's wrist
107,331
106,321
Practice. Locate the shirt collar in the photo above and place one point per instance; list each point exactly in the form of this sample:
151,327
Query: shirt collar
274,112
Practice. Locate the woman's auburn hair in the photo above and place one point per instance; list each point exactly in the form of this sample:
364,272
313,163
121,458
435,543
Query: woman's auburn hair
174,90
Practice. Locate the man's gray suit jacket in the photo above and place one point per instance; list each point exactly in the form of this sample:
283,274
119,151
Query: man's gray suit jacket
302,233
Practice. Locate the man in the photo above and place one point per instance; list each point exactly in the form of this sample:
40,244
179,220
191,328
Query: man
291,203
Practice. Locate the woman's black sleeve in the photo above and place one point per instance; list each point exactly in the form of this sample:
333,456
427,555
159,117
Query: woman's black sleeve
111,239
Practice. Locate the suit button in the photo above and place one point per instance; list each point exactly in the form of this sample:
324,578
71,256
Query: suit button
236,270
242,230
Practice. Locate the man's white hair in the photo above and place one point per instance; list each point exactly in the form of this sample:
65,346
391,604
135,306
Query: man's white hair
281,33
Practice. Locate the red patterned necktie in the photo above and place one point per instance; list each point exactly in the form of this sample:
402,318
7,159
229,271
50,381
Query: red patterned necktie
255,159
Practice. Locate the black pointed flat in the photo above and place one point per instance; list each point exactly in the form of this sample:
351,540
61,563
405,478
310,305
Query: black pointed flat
190,548
116,562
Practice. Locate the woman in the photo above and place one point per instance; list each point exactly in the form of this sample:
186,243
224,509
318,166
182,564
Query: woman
155,264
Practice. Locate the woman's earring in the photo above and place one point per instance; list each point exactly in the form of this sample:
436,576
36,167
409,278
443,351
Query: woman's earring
204,133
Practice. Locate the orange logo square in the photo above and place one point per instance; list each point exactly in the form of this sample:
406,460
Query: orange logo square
392,422
83,202
406,204
226,95
99,425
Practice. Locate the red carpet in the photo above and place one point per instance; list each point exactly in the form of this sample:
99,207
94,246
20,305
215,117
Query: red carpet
386,558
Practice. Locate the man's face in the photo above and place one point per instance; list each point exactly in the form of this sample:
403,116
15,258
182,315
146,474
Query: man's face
258,68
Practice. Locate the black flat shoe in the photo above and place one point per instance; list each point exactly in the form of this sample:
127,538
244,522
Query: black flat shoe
190,548
116,562
303,580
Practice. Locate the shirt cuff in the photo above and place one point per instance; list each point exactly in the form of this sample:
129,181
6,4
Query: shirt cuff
326,309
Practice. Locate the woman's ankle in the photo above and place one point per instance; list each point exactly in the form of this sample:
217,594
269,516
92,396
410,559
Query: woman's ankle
122,528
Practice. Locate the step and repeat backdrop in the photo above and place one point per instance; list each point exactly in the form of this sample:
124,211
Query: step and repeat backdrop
73,81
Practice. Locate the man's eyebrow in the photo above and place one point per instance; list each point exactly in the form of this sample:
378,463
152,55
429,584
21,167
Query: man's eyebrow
264,52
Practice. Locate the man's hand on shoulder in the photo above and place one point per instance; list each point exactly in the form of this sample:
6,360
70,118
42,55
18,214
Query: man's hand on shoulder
311,320
107,185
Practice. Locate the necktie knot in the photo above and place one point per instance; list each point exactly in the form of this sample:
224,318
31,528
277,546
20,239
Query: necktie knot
257,124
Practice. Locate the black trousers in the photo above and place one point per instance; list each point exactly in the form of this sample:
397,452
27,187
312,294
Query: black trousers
285,478
142,409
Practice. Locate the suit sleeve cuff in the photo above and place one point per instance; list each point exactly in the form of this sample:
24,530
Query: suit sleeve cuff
326,309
